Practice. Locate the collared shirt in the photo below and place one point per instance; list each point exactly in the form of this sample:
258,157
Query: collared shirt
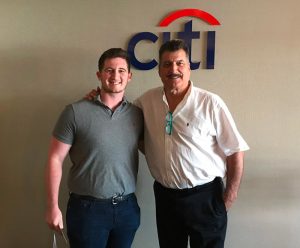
104,152
108,109
203,135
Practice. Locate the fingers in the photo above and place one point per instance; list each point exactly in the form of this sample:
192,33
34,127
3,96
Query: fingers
57,227
228,205
228,200
88,97
54,219
92,94
60,226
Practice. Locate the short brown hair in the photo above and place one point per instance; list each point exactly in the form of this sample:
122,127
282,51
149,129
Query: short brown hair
113,53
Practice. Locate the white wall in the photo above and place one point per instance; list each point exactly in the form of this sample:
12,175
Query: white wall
48,58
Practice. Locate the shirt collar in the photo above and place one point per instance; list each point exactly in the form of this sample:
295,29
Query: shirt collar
188,93
98,99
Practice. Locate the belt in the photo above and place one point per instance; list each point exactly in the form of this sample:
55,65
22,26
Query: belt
216,183
113,200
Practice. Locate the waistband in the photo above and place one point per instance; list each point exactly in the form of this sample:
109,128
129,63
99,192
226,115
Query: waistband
216,183
113,200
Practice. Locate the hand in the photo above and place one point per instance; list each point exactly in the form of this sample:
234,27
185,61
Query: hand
93,94
229,198
54,219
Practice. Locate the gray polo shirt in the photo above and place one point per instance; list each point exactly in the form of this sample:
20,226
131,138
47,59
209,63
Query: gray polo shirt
104,150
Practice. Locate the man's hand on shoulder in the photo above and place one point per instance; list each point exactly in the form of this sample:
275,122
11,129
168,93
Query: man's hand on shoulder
92,94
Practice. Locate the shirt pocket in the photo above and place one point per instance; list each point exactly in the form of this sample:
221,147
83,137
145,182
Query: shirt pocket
196,128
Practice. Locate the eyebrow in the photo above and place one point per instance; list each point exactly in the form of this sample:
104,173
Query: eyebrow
119,68
176,61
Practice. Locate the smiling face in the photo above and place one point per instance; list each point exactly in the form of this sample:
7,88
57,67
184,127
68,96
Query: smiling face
114,75
174,71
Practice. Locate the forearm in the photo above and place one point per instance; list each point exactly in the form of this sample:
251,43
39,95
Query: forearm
57,154
54,217
235,167
53,179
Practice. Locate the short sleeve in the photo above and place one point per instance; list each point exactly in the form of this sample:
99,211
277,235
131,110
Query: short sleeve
65,127
228,136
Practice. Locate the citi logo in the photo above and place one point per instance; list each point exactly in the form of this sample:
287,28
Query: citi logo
187,35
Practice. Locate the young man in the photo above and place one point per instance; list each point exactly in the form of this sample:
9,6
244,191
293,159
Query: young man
101,137
191,143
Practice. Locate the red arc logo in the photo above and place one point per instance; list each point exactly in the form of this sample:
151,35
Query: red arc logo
189,12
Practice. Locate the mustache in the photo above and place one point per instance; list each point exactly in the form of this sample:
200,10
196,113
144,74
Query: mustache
175,75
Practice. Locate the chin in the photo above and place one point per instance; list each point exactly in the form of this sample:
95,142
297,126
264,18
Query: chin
117,91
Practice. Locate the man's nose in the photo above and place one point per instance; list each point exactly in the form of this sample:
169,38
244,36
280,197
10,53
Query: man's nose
115,74
174,67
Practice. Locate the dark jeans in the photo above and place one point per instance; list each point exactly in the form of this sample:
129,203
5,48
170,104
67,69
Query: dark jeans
197,214
101,224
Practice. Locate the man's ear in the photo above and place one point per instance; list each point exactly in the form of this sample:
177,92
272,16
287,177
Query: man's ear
159,70
129,76
98,73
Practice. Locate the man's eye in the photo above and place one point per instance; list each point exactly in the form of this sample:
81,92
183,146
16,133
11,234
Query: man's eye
167,64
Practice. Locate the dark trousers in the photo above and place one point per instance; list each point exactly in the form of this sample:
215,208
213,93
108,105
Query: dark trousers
101,224
197,214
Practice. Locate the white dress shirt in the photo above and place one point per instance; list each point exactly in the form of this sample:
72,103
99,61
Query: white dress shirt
203,135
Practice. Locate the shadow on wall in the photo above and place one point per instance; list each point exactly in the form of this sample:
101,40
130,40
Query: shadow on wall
36,84
274,183
266,213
